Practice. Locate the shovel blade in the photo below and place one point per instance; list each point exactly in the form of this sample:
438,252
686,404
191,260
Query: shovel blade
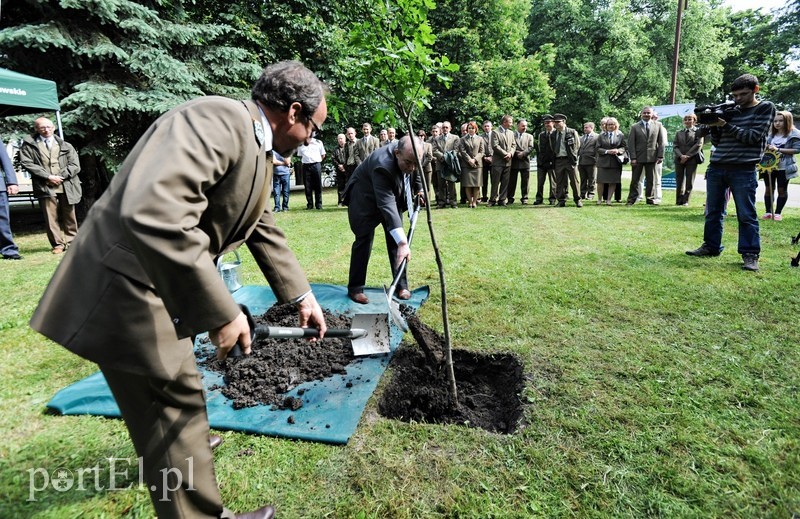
377,338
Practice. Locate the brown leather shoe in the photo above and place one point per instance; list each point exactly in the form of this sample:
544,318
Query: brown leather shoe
58,249
266,512
404,294
214,441
359,298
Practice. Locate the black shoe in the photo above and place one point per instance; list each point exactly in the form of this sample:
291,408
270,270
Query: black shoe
276,210
704,251
309,207
562,204
750,262
552,202
537,202
14,256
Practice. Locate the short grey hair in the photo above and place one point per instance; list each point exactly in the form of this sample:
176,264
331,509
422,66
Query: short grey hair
287,82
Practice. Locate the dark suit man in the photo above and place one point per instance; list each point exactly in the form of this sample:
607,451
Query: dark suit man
195,186
366,144
587,161
545,160
521,162
350,155
376,195
8,186
503,147
646,141
566,145
487,160
687,146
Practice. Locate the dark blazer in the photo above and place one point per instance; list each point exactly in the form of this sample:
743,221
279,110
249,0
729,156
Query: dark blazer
522,153
687,142
544,151
375,192
140,278
588,151
8,177
647,146
616,142
69,166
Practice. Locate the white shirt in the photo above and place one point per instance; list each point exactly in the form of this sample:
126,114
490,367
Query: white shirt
312,153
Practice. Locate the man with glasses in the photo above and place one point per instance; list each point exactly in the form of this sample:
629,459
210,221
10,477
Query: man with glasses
739,138
54,166
444,143
376,194
195,186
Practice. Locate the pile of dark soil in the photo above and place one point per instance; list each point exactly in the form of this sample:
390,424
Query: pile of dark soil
488,386
276,366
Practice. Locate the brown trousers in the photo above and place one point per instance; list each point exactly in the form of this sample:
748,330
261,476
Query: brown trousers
60,220
168,424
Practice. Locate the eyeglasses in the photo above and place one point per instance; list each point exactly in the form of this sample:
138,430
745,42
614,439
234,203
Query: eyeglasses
314,126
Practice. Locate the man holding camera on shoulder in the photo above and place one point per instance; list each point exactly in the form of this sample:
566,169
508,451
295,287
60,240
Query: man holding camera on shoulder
739,136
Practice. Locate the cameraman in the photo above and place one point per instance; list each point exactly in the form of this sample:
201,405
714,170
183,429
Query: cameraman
739,137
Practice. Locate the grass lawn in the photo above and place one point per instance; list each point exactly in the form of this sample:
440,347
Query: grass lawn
658,384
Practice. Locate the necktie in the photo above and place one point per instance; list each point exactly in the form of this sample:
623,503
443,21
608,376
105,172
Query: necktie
558,143
409,199
47,143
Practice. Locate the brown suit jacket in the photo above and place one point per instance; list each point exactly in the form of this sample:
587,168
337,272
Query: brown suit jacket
687,142
501,144
140,279
648,146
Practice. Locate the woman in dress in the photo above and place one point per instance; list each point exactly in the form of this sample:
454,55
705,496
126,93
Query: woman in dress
610,155
784,139
471,150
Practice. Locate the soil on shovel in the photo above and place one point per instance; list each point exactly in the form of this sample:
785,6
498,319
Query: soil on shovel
276,366
489,386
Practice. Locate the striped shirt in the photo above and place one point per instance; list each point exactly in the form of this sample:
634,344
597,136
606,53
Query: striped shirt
743,139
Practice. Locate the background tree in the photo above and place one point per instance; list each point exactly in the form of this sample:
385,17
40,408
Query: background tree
613,57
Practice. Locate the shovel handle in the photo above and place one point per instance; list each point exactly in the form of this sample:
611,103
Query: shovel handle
282,332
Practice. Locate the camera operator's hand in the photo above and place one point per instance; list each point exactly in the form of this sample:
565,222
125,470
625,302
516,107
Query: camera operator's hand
719,123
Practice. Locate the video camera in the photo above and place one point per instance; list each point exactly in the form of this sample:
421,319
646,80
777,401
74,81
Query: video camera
710,114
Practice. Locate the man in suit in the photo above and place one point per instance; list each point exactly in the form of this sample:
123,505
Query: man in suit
54,166
444,143
545,161
339,159
503,148
521,162
366,144
487,160
587,161
375,195
350,155
687,148
391,135
566,145
436,131
194,187
8,186
646,141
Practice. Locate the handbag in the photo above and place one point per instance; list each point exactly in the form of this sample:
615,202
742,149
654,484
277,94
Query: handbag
623,159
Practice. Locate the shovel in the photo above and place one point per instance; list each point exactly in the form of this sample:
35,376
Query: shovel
369,333
394,306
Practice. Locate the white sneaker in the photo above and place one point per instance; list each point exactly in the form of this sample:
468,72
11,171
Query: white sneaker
766,216
777,217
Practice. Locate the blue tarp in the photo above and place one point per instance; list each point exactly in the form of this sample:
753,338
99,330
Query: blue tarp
331,410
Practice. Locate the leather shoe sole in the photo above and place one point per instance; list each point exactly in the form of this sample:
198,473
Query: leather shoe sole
266,512
404,294
359,298
214,441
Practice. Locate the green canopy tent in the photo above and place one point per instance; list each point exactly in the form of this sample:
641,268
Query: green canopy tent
21,94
